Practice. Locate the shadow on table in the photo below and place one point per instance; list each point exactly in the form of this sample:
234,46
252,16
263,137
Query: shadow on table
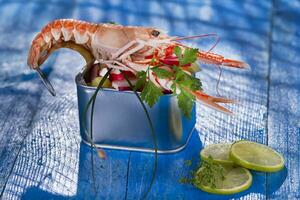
107,179
172,167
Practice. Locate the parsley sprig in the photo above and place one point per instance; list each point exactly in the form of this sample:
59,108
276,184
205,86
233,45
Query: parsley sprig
183,83
150,93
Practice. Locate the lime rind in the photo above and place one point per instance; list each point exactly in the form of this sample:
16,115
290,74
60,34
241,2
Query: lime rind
238,159
251,165
205,153
228,191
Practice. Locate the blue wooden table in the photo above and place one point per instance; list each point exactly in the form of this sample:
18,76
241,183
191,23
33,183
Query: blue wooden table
41,154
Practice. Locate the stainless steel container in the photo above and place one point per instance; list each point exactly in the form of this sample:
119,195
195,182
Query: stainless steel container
120,121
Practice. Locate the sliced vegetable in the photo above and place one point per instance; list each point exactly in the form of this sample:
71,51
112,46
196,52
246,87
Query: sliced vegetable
218,152
233,180
122,84
169,51
256,156
95,82
120,77
170,61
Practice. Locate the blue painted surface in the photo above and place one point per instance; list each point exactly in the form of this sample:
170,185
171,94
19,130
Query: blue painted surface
40,150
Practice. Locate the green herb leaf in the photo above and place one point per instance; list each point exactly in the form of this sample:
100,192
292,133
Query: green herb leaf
185,83
161,73
195,84
190,82
186,102
178,53
151,93
141,80
188,57
182,81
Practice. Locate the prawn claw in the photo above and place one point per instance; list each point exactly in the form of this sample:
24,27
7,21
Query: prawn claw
212,101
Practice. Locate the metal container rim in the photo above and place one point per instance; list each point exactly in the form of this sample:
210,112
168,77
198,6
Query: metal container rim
86,87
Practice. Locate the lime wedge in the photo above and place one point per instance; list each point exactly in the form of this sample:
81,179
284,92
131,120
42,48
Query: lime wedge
256,156
218,152
236,179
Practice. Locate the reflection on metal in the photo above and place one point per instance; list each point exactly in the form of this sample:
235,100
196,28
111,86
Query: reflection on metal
120,122
175,119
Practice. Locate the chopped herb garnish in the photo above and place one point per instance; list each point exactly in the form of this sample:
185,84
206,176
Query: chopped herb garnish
209,173
184,180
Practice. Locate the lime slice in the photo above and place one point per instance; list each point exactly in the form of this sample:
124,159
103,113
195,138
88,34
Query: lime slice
218,152
236,179
256,156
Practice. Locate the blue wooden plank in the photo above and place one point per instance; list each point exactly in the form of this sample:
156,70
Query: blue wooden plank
284,98
173,167
52,162
98,181
244,36
53,147
20,88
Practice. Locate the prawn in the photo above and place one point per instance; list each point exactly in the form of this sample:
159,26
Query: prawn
126,48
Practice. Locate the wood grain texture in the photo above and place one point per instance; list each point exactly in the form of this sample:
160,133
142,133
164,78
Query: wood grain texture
246,37
20,89
52,163
284,109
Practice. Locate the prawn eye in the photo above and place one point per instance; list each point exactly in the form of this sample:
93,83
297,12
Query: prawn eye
155,33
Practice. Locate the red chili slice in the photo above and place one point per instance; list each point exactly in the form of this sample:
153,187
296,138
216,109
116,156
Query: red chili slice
169,51
173,61
170,61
